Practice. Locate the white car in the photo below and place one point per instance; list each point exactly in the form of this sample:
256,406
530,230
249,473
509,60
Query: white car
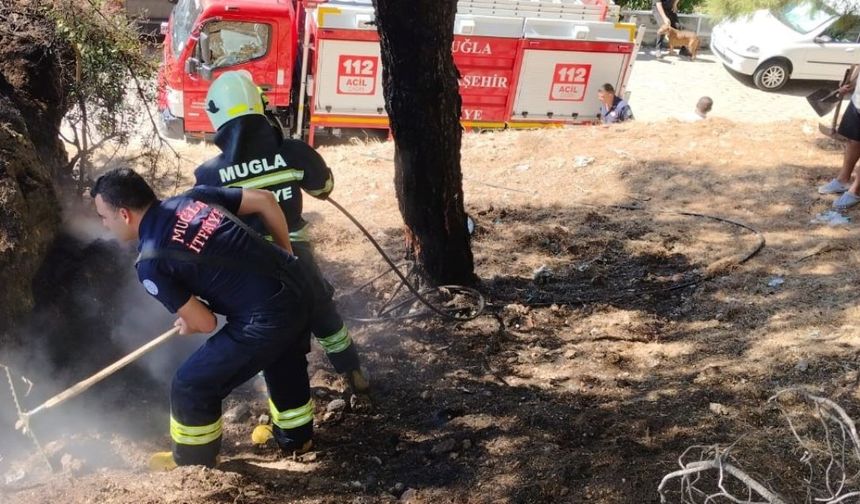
803,40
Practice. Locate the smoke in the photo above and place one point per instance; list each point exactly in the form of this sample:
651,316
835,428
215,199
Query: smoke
79,220
140,317
90,311
142,320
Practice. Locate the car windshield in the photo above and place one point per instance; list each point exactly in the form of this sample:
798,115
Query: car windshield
804,16
184,15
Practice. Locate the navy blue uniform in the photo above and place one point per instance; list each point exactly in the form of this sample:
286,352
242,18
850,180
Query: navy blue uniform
618,112
186,223
267,319
254,155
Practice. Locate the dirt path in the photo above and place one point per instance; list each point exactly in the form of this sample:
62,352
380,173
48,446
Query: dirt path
670,88
586,393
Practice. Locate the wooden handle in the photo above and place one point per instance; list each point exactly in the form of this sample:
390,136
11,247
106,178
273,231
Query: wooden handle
104,373
845,79
836,115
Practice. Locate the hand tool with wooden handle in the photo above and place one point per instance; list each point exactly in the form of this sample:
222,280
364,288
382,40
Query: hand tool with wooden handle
831,132
24,418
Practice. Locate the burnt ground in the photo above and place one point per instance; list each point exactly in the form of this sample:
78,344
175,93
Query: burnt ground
642,337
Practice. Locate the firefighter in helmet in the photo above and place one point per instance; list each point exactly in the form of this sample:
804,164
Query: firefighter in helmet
254,154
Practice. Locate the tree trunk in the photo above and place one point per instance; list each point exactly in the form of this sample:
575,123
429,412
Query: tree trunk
423,103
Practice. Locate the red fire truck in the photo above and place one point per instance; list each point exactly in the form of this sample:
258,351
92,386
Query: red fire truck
523,63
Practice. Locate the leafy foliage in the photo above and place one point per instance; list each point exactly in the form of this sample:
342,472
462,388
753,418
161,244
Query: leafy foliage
683,5
113,77
720,9
732,8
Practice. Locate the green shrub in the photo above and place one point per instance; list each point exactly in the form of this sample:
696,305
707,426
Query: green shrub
114,85
720,9
683,5
731,8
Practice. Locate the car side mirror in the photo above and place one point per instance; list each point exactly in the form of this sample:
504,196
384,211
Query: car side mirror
205,67
192,65
203,47
822,39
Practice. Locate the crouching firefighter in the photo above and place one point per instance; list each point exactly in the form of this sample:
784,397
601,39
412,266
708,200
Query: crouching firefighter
254,154
193,248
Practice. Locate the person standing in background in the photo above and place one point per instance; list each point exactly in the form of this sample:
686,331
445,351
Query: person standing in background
665,12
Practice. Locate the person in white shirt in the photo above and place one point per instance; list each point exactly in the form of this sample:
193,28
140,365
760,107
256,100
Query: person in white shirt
703,107
849,128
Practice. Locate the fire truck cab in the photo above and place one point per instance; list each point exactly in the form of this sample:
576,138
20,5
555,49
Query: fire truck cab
523,63
207,37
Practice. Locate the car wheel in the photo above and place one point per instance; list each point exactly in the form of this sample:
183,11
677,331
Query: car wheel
771,76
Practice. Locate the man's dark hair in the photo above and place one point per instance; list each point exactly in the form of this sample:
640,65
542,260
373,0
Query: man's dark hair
608,88
123,188
705,104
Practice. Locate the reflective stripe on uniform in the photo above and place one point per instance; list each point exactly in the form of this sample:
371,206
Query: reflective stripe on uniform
292,418
194,435
302,235
326,188
337,342
270,179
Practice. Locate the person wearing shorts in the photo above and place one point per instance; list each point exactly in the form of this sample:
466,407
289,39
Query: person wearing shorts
849,128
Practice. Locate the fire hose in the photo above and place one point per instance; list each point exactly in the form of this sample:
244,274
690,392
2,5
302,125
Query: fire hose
458,313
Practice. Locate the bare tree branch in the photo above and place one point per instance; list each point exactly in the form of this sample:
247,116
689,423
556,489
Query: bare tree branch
844,497
139,89
824,432
721,466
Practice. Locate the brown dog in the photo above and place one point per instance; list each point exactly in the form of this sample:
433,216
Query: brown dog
680,38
